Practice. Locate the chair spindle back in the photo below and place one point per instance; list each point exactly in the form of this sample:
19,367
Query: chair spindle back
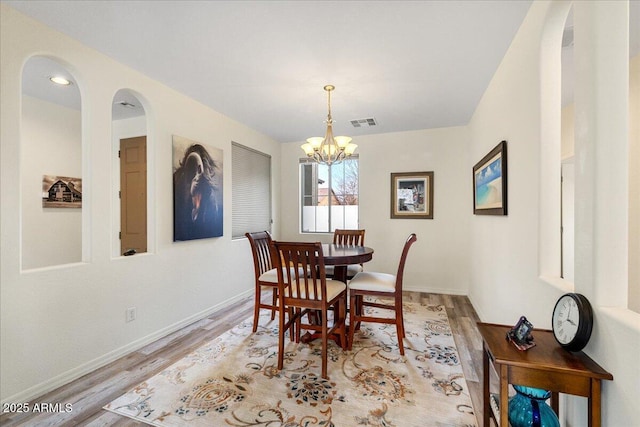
261,249
348,237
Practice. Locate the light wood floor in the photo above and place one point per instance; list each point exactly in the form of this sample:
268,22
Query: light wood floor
91,392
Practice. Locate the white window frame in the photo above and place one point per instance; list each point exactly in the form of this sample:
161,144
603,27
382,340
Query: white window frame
335,216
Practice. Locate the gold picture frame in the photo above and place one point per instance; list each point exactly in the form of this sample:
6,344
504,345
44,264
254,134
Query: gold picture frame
412,195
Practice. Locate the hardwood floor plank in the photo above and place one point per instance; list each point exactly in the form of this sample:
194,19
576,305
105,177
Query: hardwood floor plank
109,419
91,392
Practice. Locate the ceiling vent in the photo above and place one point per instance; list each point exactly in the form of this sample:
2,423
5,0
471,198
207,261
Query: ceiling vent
358,123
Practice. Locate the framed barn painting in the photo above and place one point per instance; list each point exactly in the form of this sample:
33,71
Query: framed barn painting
61,192
197,190
412,195
490,182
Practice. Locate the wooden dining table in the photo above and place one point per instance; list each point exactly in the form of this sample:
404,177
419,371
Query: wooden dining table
340,256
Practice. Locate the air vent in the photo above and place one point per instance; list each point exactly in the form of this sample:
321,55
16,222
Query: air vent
126,104
358,123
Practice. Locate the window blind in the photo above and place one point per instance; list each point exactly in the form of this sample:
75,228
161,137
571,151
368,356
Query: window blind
251,186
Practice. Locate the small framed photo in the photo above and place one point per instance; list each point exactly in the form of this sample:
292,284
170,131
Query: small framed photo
522,330
520,335
412,195
490,182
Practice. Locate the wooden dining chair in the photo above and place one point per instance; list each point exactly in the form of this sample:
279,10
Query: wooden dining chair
266,277
351,238
378,285
301,294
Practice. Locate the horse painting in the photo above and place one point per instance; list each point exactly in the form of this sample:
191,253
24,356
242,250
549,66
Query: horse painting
197,191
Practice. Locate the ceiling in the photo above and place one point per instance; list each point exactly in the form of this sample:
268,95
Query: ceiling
408,64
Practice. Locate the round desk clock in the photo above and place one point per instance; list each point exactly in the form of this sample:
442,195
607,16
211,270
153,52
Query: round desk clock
572,321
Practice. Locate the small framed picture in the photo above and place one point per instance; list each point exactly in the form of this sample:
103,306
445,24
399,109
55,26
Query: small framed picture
412,195
522,330
490,182
520,335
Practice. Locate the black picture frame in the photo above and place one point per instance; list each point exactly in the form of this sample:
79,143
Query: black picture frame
490,182
521,332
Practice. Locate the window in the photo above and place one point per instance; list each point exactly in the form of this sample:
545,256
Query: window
251,190
329,196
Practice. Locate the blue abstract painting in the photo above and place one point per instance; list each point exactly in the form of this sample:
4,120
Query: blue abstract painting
488,183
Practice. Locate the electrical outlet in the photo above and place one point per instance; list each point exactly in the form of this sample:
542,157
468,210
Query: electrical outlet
131,314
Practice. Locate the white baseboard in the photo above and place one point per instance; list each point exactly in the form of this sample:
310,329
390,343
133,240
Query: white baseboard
480,314
75,373
445,291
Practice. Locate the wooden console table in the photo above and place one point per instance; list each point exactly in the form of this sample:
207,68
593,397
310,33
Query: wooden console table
547,366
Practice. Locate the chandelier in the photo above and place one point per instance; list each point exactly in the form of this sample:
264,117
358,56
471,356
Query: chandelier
329,150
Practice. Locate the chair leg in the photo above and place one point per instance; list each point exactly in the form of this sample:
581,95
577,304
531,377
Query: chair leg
342,317
359,309
400,327
298,323
324,347
399,333
292,328
281,333
274,303
256,308
352,320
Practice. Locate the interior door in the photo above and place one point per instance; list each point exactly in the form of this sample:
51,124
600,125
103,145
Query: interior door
133,194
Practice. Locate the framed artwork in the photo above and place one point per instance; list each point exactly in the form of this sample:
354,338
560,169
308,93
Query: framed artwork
412,195
61,192
490,182
197,190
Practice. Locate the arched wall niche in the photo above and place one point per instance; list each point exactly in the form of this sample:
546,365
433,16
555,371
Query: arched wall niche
567,155
551,145
614,296
130,170
51,165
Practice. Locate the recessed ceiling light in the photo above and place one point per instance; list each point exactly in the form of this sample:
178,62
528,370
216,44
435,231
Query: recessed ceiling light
60,80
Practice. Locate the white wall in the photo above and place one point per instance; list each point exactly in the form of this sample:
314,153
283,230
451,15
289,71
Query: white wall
51,145
522,105
634,184
60,323
567,132
438,261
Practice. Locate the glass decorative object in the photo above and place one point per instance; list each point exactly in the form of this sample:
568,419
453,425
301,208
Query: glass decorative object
528,408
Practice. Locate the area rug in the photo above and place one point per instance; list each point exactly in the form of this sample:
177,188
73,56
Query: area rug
233,380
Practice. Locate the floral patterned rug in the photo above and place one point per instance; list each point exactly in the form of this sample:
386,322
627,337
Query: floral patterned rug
233,380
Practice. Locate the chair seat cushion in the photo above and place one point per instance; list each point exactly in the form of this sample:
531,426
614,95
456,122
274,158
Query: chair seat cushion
352,270
371,281
334,287
271,276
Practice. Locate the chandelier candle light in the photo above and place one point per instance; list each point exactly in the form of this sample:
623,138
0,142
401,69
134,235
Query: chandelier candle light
329,150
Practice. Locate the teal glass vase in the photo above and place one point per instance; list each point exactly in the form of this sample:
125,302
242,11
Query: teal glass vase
528,408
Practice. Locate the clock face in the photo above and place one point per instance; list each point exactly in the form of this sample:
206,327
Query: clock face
572,321
566,319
